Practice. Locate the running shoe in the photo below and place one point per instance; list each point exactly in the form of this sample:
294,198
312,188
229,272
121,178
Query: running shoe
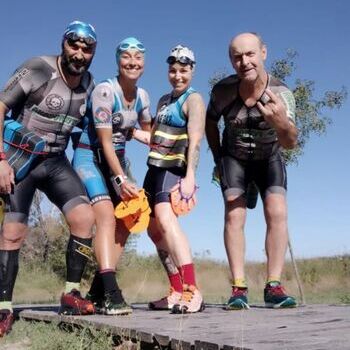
73,303
114,304
6,321
238,299
97,301
275,296
191,301
167,302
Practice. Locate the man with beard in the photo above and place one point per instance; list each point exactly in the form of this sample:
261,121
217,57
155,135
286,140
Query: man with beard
48,96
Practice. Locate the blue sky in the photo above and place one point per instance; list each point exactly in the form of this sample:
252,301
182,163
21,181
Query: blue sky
318,195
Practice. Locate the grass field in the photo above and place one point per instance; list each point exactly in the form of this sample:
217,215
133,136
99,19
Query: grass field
325,280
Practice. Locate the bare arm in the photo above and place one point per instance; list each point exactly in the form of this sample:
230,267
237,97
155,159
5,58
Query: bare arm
213,137
105,139
143,135
104,135
194,109
6,172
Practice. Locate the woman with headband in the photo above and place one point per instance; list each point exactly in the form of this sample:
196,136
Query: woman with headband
170,181
117,105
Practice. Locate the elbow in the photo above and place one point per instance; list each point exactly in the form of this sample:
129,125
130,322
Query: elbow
289,139
290,144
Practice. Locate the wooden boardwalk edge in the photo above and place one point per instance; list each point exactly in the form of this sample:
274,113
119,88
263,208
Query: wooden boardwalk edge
311,327
147,339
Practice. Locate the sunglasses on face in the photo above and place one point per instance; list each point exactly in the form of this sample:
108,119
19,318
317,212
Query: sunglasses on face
88,40
127,46
182,60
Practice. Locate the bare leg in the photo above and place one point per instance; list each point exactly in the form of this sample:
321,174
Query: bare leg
275,208
235,216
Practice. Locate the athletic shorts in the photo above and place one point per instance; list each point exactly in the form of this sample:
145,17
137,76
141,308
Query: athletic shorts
158,183
95,174
269,175
52,175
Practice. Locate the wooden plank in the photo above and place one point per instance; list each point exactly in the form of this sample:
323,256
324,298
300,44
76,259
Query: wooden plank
310,327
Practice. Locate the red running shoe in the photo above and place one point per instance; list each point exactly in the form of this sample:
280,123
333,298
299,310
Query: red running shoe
73,303
6,321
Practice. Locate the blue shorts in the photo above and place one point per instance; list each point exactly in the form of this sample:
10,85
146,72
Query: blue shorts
95,174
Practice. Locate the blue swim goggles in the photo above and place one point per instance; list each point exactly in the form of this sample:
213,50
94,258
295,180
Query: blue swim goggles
81,31
129,44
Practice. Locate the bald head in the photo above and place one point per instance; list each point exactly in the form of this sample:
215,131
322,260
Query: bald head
248,53
250,38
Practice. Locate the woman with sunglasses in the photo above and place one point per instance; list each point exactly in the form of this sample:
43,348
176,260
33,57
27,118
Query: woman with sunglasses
175,144
117,105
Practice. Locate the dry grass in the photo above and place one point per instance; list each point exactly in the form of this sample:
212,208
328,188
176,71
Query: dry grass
325,280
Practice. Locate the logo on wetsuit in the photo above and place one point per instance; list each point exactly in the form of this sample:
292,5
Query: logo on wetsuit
54,102
163,116
117,119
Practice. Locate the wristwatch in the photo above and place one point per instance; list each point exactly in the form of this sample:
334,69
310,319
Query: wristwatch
119,179
2,156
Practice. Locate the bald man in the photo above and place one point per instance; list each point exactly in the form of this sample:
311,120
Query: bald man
259,113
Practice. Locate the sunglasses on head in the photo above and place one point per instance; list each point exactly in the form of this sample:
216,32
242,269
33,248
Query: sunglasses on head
127,46
182,60
88,40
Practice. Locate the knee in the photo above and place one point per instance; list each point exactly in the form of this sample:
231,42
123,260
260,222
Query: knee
165,218
276,214
165,222
12,236
235,218
105,219
81,219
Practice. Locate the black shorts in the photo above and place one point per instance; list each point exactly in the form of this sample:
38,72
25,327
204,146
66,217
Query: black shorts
55,177
158,183
269,175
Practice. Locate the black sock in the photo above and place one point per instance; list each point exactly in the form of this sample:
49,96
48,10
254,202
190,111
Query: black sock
8,273
78,250
96,288
109,281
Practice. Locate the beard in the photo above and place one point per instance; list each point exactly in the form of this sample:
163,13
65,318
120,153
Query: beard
74,67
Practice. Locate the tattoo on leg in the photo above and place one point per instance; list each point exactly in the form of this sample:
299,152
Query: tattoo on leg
167,262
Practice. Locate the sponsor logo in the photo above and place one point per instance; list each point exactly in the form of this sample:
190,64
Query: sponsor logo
16,78
102,115
54,102
117,119
59,118
105,93
162,116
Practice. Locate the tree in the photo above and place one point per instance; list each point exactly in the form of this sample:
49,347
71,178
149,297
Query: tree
310,112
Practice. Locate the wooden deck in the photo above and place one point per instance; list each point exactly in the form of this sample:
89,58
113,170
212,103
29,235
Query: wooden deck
309,327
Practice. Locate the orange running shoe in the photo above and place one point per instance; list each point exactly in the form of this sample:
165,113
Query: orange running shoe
191,301
167,302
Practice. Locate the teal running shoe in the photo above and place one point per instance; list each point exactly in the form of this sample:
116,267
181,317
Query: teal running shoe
275,296
238,299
